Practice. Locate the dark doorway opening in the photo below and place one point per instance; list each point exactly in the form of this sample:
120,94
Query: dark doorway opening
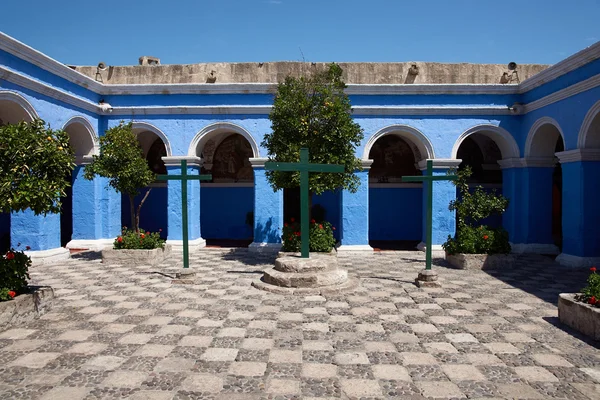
66,216
557,199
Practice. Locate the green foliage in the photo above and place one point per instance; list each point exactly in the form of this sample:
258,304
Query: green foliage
131,239
591,293
35,163
320,236
14,266
314,112
472,207
122,161
6,294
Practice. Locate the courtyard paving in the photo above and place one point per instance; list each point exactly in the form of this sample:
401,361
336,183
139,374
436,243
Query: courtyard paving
118,331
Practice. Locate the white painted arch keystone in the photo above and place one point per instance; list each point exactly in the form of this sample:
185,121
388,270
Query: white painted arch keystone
216,128
543,148
413,135
92,146
503,139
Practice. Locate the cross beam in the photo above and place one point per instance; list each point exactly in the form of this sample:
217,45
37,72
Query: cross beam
184,178
304,167
428,180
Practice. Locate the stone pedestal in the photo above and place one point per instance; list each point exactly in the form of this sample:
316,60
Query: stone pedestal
319,274
427,278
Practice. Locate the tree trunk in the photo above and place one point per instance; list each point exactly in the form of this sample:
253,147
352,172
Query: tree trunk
132,212
137,214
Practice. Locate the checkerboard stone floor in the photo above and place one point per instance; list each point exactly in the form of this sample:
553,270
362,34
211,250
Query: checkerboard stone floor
125,332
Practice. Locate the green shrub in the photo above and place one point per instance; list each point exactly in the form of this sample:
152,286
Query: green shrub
591,293
130,239
14,267
472,207
320,236
6,294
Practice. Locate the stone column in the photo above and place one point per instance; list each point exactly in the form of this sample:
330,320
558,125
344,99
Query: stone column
174,215
355,214
88,213
443,220
268,211
511,189
534,207
580,211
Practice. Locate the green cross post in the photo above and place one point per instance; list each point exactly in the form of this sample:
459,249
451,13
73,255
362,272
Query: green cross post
304,167
184,178
428,180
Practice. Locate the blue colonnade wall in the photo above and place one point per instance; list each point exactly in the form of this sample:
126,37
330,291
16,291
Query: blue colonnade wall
566,94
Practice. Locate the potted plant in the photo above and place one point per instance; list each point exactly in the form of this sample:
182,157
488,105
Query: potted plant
581,311
476,245
121,160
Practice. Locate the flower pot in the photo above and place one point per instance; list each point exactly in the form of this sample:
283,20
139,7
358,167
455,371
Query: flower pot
135,256
25,307
580,316
481,261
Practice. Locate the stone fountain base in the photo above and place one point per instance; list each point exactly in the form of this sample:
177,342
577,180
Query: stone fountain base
319,274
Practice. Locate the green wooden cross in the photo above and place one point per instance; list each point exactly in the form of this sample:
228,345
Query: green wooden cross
304,167
428,180
184,178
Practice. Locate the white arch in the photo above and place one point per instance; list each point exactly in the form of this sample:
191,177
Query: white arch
582,139
14,97
414,135
504,140
534,129
90,131
140,126
219,127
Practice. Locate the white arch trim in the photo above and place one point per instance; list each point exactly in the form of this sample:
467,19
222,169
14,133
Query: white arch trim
534,128
145,126
208,131
9,95
89,128
586,125
504,140
406,132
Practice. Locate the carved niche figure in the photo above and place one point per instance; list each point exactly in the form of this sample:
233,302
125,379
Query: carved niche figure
231,160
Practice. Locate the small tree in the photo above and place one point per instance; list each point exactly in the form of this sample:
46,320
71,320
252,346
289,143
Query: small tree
314,112
122,161
35,167
472,207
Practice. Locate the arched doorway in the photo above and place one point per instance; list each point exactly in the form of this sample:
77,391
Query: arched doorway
13,109
154,212
545,139
481,153
227,201
395,207
74,217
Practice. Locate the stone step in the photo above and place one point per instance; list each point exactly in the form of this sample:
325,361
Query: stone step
305,265
331,290
305,280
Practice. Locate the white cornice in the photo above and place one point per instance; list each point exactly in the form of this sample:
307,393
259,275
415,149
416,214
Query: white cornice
578,155
175,161
258,162
366,164
29,54
530,162
569,64
440,163
41,60
565,93
42,88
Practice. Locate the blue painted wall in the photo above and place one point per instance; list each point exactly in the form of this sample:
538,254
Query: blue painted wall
331,202
395,213
224,210
153,215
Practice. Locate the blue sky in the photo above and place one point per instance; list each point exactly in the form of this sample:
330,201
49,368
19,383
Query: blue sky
84,32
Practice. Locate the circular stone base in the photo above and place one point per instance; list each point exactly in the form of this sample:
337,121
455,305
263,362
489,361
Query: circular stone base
350,284
303,276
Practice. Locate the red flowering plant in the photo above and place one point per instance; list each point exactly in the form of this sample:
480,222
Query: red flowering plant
320,236
591,293
130,239
14,266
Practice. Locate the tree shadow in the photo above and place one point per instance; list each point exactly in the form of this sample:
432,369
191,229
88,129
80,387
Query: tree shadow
250,258
541,276
554,321
266,233
89,255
